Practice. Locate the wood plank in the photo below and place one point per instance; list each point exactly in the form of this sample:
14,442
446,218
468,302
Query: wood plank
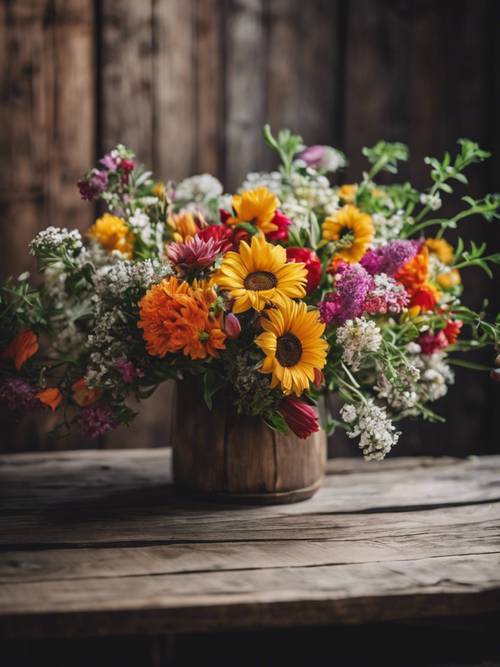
246,44
272,598
126,76
358,539
125,497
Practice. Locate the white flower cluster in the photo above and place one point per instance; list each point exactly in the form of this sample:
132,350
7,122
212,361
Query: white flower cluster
432,201
112,281
358,338
377,434
387,228
105,345
271,180
199,188
423,378
53,240
141,225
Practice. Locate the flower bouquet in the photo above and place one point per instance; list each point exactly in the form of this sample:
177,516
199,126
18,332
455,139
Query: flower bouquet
256,304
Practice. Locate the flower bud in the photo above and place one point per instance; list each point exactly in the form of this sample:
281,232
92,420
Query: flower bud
319,378
232,326
495,375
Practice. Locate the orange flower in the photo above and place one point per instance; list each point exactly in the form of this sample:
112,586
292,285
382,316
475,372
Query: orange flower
51,397
113,234
83,395
23,346
426,297
414,273
347,192
176,317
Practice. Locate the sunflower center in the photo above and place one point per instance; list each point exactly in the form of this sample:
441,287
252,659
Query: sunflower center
260,280
288,349
346,236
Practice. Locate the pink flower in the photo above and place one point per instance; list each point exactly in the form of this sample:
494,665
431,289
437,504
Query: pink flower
110,161
18,395
313,265
312,156
283,223
96,420
352,284
300,417
232,326
387,296
129,372
390,258
221,233
432,342
195,253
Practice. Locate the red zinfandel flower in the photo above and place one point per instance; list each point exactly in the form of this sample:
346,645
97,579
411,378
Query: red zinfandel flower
282,223
312,263
194,254
300,417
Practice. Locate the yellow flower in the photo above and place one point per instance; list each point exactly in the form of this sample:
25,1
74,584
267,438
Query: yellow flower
184,226
113,234
347,192
293,346
159,190
257,207
449,279
258,274
441,248
352,232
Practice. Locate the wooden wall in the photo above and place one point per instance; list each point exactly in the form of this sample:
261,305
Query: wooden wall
189,83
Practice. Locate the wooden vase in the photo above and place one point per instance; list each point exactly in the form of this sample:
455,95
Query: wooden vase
227,457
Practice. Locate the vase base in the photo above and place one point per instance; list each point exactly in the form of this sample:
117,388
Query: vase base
269,498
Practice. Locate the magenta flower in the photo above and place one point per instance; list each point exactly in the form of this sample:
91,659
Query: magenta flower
19,395
300,417
197,253
232,325
390,258
96,419
129,372
94,185
352,285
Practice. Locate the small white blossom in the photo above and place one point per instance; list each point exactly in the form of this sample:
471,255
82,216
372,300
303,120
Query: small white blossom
53,240
141,225
432,201
358,338
387,228
199,188
377,434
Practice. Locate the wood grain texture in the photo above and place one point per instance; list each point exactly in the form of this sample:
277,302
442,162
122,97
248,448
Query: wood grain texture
97,543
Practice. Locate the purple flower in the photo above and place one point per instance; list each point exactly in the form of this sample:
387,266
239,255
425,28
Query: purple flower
352,284
91,187
129,372
110,161
18,395
322,157
312,155
96,420
390,258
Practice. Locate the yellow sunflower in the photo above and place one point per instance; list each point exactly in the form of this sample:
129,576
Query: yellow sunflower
293,346
113,234
257,207
352,232
258,274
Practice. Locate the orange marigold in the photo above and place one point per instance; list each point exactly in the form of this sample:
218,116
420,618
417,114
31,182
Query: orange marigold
176,317
415,272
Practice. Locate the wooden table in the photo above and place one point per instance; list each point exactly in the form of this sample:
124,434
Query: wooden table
95,543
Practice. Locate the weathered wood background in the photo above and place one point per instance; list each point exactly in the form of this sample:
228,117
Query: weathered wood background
189,83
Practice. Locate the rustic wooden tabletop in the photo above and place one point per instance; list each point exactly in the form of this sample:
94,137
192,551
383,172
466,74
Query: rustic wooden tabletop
95,543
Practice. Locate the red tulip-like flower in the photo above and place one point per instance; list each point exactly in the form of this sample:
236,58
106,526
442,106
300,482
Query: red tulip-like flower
221,233
426,297
300,417
313,265
232,326
282,223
